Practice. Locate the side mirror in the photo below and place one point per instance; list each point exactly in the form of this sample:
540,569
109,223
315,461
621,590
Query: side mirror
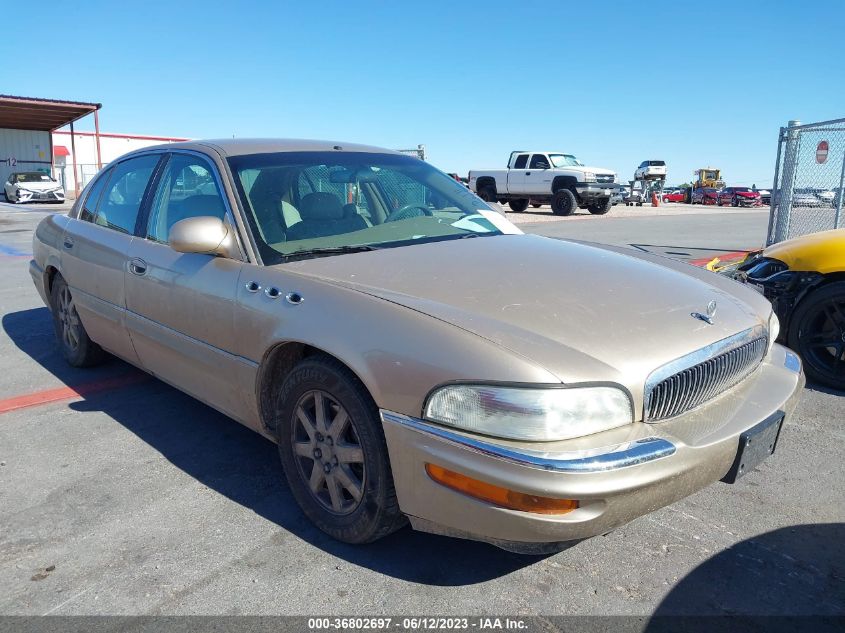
203,234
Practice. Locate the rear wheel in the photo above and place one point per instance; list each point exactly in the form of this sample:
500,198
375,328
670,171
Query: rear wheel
334,454
535,205
734,202
600,208
75,344
817,333
488,194
518,205
564,202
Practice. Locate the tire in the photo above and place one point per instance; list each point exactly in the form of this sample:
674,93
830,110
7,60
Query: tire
600,208
311,453
488,194
535,205
820,319
518,205
564,202
76,346
734,202
718,202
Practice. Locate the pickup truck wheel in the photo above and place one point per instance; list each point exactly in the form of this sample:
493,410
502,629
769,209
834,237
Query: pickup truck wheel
535,205
334,454
76,346
518,205
817,333
564,202
488,194
600,208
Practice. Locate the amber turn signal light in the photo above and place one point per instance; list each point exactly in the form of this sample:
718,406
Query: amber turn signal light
497,495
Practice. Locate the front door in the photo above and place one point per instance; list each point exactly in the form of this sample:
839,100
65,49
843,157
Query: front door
180,306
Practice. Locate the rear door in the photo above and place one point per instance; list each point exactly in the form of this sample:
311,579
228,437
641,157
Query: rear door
180,306
516,175
95,248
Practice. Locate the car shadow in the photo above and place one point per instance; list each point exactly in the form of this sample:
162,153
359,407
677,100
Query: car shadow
244,467
795,571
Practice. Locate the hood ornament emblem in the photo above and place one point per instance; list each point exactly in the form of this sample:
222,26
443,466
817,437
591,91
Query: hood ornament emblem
708,316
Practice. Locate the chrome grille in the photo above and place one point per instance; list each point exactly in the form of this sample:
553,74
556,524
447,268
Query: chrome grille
604,178
695,385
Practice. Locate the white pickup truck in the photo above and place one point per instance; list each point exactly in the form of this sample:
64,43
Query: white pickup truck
546,178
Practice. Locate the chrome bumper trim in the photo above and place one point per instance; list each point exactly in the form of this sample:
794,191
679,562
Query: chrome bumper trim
589,461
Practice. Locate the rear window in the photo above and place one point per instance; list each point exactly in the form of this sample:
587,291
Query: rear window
657,163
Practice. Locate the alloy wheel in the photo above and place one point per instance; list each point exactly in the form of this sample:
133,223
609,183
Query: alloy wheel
68,319
822,340
328,452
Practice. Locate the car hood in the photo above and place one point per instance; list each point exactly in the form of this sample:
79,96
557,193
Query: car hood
747,194
595,170
583,313
38,186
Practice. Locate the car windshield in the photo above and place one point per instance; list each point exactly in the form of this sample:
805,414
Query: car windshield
742,189
564,160
33,176
310,204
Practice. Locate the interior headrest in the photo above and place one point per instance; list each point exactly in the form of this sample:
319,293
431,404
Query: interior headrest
321,206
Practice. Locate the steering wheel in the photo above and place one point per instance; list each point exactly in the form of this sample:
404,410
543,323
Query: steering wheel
405,212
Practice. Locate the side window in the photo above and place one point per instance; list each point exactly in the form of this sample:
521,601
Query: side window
187,189
89,208
539,161
521,161
121,201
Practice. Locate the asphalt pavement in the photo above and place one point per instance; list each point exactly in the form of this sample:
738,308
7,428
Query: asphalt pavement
137,499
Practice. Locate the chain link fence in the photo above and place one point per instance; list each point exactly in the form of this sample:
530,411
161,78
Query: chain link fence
807,195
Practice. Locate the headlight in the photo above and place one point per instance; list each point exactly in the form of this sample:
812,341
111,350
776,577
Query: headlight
589,176
535,415
774,329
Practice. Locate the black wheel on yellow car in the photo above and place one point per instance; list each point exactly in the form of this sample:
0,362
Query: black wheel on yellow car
817,333
334,454
75,344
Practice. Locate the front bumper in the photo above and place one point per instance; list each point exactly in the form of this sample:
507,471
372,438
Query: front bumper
594,191
40,196
616,476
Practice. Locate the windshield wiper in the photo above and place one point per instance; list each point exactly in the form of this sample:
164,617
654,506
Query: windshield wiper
329,250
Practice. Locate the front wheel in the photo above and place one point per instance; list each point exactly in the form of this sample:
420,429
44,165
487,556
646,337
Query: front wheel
75,344
518,205
535,205
817,333
600,208
564,202
334,454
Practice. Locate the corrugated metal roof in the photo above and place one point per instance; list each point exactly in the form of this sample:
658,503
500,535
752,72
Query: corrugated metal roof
34,113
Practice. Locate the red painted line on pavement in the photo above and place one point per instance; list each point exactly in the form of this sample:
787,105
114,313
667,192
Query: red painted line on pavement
70,393
703,261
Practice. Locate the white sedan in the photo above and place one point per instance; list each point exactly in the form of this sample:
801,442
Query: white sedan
33,186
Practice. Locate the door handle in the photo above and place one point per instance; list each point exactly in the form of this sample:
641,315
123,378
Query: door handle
68,242
138,267
528,173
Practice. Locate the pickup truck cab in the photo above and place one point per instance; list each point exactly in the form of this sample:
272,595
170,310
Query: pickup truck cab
548,178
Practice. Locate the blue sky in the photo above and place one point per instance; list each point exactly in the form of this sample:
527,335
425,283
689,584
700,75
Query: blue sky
471,80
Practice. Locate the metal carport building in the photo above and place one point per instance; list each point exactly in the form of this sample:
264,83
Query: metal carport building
26,124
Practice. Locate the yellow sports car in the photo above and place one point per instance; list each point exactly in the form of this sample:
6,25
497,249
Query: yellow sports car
804,278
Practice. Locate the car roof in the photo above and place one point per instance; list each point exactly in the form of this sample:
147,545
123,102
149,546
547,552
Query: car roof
240,146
